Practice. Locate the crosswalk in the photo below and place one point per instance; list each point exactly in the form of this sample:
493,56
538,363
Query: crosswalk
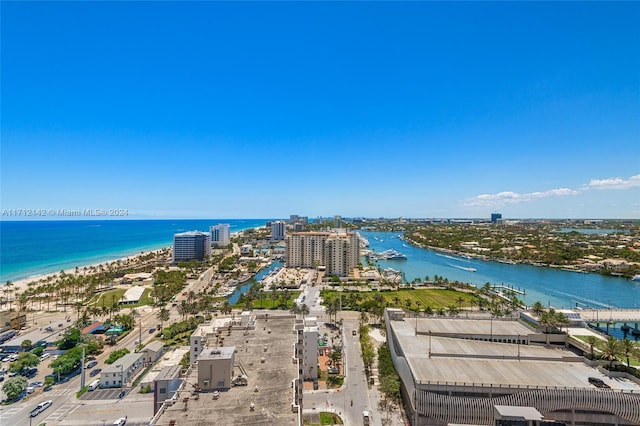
9,412
61,411
61,392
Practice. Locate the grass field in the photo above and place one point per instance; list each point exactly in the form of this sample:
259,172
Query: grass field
434,298
268,303
116,294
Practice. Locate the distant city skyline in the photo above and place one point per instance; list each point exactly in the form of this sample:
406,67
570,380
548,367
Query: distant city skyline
362,109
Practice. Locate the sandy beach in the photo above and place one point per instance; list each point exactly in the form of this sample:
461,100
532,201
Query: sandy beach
21,285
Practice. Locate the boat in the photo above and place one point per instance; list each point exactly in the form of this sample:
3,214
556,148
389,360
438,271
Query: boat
636,278
387,255
464,268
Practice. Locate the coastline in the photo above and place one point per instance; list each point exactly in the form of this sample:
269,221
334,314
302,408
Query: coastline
31,249
22,284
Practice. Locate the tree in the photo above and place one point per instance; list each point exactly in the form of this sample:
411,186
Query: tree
537,309
610,350
591,341
14,386
163,315
26,345
627,348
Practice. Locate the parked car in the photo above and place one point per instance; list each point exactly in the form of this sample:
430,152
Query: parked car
120,422
92,364
37,384
44,356
599,383
333,370
152,330
41,407
95,372
216,394
30,389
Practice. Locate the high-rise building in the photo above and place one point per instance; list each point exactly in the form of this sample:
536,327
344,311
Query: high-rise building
278,230
191,245
337,251
495,217
220,235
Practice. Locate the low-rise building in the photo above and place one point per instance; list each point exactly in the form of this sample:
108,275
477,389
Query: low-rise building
152,351
122,371
165,385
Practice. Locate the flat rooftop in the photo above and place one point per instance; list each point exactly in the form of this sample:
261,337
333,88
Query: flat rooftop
273,379
217,353
458,360
470,326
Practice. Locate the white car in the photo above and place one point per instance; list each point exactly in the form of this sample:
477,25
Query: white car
120,422
41,407
31,389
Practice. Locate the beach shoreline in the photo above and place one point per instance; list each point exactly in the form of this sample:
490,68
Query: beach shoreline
21,285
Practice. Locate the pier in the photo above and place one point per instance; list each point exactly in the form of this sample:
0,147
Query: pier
502,288
609,317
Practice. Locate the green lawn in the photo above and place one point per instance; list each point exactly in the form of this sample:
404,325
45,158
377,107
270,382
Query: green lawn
268,303
116,294
435,298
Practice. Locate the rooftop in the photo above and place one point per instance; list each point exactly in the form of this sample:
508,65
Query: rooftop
123,363
273,379
438,359
217,353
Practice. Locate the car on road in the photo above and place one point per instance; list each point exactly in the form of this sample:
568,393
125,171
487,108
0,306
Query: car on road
353,332
121,395
152,330
120,422
44,356
92,364
216,394
95,372
41,407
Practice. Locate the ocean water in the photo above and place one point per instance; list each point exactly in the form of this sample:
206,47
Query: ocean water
550,286
29,248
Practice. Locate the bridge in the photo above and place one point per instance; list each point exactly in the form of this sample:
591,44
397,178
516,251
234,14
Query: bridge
630,318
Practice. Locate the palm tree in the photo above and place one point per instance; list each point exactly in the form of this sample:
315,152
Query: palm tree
628,348
163,315
591,341
610,350
537,309
428,310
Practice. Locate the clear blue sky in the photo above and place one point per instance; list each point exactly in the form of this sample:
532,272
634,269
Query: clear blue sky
232,110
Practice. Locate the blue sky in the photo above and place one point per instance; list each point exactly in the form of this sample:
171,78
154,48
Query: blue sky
221,109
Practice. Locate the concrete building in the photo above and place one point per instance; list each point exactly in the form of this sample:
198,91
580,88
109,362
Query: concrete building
122,371
152,351
191,245
456,371
307,333
338,251
12,320
278,230
215,368
165,385
495,217
220,234
263,356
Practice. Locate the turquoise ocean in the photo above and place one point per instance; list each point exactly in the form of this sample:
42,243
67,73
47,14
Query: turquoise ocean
29,248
